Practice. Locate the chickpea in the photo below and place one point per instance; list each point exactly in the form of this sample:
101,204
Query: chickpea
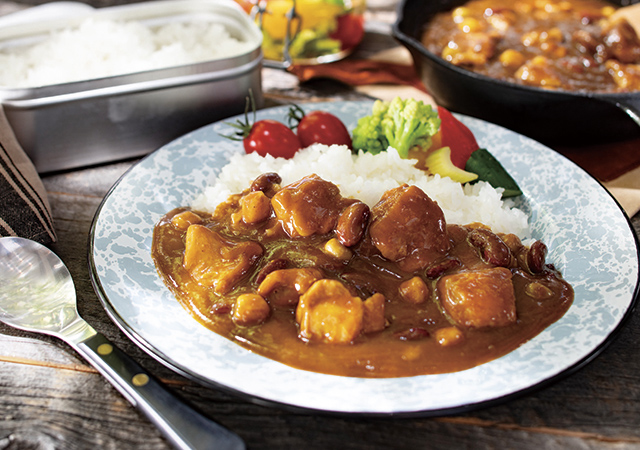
540,4
523,7
554,35
414,290
471,25
565,6
512,58
529,39
449,336
460,13
182,220
250,309
334,248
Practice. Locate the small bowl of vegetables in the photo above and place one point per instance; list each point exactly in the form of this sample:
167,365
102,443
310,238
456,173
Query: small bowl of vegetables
307,31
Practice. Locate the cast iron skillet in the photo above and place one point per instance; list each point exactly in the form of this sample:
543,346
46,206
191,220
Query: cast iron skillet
551,117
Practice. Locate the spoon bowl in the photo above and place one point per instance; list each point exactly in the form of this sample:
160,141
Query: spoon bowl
37,294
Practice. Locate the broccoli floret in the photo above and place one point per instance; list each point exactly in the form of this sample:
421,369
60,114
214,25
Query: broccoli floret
367,134
409,122
401,124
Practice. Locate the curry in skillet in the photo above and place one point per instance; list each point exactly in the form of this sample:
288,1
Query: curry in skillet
574,45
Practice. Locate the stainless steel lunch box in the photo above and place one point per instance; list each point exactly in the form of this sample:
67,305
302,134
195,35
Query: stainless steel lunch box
90,122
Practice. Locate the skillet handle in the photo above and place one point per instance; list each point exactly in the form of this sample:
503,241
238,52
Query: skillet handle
629,104
182,425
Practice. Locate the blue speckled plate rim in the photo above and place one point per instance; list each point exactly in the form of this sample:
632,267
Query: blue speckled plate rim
167,361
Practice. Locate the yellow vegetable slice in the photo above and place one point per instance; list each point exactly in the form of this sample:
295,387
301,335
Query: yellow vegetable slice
439,162
317,15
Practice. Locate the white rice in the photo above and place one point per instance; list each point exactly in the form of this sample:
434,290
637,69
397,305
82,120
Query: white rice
367,177
102,48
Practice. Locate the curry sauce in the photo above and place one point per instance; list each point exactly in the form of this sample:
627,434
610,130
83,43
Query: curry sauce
319,282
574,45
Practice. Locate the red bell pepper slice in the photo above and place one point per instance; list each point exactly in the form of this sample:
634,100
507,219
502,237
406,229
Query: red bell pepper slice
455,135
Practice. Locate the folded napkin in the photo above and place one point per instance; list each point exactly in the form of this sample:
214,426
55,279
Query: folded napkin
24,208
390,73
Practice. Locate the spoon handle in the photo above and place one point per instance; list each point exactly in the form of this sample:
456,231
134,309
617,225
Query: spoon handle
179,423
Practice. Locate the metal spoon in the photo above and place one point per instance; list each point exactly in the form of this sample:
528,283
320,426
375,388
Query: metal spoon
37,294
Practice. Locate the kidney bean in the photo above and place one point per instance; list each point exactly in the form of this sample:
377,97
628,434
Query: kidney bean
437,269
265,182
536,257
494,250
222,308
412,334
538,291
271,266
352,223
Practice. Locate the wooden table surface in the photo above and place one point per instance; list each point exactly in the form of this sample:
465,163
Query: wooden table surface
52,399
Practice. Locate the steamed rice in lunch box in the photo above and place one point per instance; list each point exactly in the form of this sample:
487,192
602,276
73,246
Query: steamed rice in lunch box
100,48
122,81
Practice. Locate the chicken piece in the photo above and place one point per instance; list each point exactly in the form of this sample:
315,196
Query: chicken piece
548,41
284,287
250,309
501,19
309,206
414,291
409,228
586,42
184,219
538,71
622,42
328,313
477,299
255,207
216,262
474,48
373,318
626,76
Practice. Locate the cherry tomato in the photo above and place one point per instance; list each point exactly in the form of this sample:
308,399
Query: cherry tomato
455,135
350,30
273,138
322,127
246,5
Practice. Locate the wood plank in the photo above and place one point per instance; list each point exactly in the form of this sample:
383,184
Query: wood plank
51,399
76,410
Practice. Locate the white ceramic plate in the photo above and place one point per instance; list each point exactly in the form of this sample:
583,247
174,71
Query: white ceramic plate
589,238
